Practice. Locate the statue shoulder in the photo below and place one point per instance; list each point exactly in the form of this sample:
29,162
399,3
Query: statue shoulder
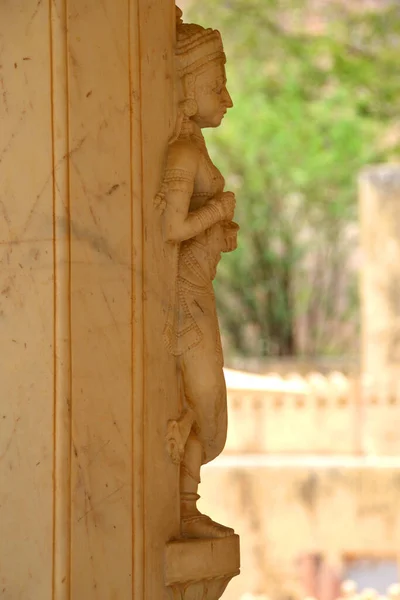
183,155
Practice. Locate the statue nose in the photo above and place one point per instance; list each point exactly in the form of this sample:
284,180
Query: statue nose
228,99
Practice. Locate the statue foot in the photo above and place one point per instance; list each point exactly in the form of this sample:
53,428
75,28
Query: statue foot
175,444
201,526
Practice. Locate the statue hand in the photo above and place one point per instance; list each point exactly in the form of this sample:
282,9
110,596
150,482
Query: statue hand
228,203
230,234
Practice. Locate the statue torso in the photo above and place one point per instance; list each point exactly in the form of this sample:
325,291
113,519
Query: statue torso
196,265
208,182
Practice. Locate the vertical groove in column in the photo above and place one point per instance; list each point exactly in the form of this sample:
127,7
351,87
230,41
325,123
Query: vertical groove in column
138,346
62,297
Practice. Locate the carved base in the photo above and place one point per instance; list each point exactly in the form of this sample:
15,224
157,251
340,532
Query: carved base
201,590
201,569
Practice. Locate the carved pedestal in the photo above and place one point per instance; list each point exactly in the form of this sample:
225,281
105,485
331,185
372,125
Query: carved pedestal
201,569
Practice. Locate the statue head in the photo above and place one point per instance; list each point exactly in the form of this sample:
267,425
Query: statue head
200,64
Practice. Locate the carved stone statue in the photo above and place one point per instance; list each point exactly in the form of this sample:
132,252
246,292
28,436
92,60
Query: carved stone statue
198,227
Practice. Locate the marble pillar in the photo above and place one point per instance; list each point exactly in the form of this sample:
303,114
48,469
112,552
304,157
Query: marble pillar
88,493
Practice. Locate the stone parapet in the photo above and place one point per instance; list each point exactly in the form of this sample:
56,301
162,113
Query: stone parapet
312,414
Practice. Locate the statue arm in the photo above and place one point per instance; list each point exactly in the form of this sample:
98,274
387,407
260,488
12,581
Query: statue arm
179,223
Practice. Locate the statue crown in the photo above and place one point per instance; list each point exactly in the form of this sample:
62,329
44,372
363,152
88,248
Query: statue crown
195,46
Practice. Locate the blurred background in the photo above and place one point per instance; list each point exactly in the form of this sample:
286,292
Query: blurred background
309,304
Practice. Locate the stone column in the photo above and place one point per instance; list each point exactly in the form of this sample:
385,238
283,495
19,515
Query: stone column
379,191
88,494
380,275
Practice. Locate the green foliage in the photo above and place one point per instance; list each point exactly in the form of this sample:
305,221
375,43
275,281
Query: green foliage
310,110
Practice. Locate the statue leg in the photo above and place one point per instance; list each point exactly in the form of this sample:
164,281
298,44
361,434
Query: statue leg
205,394
178,432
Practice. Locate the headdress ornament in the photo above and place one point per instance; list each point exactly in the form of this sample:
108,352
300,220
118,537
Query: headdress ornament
196,46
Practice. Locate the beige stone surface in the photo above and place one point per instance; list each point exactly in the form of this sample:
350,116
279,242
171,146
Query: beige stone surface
307,414
295,485
26,307
381,428
379,194
282,513
312,413
191,560
86,384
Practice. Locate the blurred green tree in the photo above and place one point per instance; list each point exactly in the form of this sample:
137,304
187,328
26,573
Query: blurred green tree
316,98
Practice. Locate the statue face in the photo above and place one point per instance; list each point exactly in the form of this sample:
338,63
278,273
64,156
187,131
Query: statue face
212,97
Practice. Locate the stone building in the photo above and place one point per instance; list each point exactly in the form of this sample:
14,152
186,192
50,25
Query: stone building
311,476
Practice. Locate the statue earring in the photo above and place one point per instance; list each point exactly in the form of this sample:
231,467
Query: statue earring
189,107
